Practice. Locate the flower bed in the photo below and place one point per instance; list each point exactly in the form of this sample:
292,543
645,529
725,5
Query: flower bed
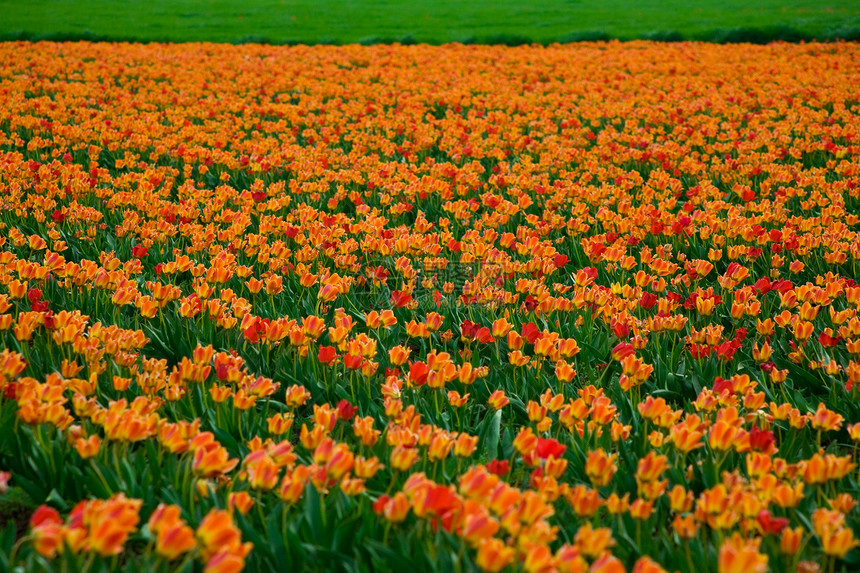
450,308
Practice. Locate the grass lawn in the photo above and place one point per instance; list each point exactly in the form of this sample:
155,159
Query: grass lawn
431,21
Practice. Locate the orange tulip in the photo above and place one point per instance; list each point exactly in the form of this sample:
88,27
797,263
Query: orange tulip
494,555
88,448
498,400
47,531
739,555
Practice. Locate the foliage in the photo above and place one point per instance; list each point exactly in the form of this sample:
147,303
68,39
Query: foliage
505,22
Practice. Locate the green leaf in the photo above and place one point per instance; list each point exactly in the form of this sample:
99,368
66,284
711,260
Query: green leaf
7,540
55,498
276,540
492,445
33,490
392,560
151,456
507,443
313,512
295,548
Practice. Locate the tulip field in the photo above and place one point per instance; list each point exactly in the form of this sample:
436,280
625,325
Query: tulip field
575,308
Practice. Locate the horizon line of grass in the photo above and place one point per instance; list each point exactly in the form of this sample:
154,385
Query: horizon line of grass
740,35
